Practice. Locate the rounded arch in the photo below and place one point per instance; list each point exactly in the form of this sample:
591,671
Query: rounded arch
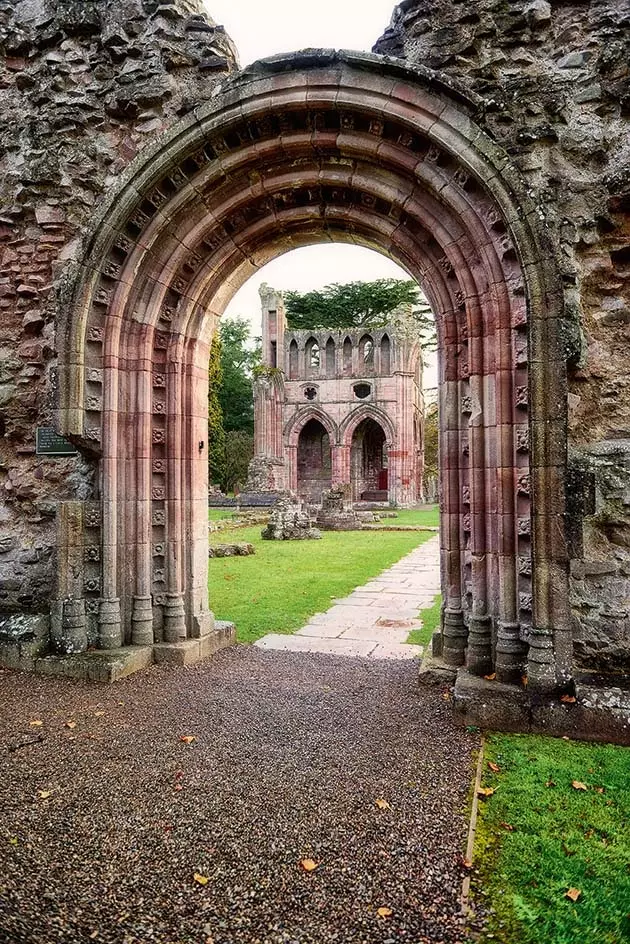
303,416
383,156
366,411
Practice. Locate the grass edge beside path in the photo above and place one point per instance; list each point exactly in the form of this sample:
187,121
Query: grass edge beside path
556,822
286,582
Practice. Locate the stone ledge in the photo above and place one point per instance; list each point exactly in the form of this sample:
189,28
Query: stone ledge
191,651
499,707
98,665
435,671
110,665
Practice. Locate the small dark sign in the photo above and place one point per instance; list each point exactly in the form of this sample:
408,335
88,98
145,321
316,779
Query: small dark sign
49,443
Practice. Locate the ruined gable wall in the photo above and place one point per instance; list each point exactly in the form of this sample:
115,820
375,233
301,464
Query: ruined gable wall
84,86
555,83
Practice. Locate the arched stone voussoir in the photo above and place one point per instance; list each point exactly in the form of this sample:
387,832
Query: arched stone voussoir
302,416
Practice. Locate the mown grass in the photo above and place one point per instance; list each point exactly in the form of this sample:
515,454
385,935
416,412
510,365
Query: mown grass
430,622
538,836
220,514
429,516
286,582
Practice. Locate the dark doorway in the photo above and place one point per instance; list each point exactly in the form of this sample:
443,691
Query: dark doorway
369,462
314,465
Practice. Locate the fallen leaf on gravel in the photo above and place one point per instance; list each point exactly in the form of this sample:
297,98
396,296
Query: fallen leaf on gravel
383,805
36,724
99,714
524,680
44,794
507,826
13,840
384,912
573,894
493,767
200,879
187,738
578,785
93,935
308,865
491,677
466,863
446,696
178,786
70,724
485,791
568,699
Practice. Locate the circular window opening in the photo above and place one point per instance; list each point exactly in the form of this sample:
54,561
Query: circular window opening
310,393
362,391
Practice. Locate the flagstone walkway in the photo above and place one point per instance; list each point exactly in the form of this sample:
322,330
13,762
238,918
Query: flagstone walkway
375,619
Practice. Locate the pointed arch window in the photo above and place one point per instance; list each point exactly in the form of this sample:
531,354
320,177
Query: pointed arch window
330,358
347,357
293,360
366,352
386,355
313,357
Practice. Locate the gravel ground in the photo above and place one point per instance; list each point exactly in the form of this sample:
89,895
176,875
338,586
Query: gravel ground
291,752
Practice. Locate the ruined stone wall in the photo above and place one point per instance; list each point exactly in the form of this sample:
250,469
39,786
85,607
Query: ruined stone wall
85,85
554,80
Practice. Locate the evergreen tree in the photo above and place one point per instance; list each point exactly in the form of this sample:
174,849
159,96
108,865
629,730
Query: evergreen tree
238,360
216,431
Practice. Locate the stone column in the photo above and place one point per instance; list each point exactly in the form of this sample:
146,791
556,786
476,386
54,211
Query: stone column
142,610
109,617
174,610
68,618
480,407
454,630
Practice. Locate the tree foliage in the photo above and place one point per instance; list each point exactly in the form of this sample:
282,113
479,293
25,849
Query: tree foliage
238,361
357,305
239,449
216,430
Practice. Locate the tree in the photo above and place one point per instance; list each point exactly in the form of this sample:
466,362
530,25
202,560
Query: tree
216,430
238,360
239,449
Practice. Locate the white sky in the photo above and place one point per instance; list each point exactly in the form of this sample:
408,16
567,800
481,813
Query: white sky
261,29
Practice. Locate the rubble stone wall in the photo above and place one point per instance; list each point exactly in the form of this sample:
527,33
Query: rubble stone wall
85,85
554,79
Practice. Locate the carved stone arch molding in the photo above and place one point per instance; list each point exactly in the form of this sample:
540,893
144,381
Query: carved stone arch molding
296,150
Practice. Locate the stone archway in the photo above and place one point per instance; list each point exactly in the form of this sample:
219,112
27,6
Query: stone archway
368,462
299,149
314,461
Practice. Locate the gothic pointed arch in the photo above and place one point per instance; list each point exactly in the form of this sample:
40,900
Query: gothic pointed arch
190,221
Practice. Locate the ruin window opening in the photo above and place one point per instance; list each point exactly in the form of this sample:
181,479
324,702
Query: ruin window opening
362,391
330,358
386,357
347,357
293,360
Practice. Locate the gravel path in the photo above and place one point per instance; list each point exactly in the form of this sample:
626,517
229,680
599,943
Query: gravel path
291,752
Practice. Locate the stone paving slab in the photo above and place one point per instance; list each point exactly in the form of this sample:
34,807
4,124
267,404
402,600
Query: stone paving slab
374,620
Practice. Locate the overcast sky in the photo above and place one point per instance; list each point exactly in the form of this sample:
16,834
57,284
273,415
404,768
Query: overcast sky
262,29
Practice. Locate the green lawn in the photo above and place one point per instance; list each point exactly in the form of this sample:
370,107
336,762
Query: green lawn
430,622
220,514
429,516
538,836
286,582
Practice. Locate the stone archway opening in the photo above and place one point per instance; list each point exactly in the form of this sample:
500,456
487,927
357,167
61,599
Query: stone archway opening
369,462
314,464
347,148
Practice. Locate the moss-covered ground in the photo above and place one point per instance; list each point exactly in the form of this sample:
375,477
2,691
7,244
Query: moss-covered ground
557,823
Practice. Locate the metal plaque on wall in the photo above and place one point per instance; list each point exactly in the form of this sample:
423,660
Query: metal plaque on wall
48,442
